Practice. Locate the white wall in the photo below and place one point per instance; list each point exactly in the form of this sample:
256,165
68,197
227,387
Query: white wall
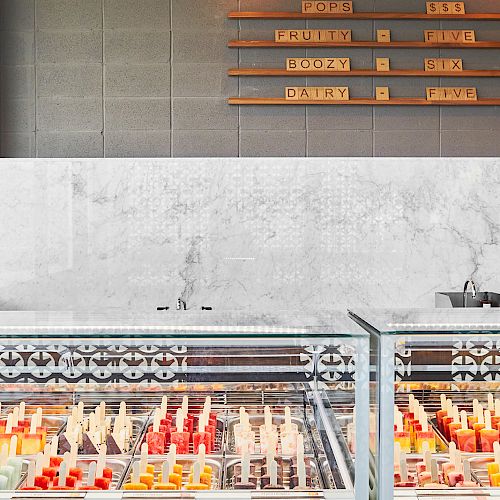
245,233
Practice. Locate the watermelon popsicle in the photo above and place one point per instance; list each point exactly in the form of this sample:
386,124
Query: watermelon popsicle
202,437
180,438
454,425
488,435
440,414
401,436
156,439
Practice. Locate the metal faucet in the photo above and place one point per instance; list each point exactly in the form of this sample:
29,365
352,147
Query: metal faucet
181,305
466,287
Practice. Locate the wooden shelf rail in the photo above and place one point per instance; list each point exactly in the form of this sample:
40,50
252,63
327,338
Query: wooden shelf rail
397,101
363,15
364,72
369,44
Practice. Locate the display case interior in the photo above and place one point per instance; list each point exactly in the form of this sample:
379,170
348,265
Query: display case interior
183,405
436,374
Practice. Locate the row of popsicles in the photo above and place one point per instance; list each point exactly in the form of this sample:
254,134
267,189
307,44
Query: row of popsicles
171,475
271,472
411,428
454,473
471,433
31,435
165,432
269,435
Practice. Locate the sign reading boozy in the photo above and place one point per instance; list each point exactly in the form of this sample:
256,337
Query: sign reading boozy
321,7
317,93
312,36
318,64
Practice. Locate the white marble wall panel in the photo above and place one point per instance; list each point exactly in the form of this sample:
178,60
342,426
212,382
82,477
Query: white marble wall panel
245,233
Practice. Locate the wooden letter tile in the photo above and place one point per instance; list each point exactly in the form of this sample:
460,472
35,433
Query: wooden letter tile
432,93
469,36
432,8
430,64
382,93
383,36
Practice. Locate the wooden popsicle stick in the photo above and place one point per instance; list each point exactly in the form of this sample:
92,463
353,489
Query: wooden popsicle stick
463,419
54,446
467,471
403,467
443,401
63,472
102,408
22,410
491,402
423,419
101,460
39,463
475,404
156,420
39,416
185,405
427,459
73,454
300,446
208,404
449,407
411,402
46,455
288,419
302,473
273,472
202,452
165,471
13,446
458,460
480,414
92,474
4,454
172,456
196,473
497,407
34,422
399,421
201,422
15,417
397,453
456,415
496,451
487,419
242,415
81,411
136,472
434,471
164,406
245,467
452,448
30,480
268,418
179,420
8,426
144,457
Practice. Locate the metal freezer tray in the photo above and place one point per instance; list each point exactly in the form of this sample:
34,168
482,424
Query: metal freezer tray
479,468
285,462
118,466
219,437
216,462
256,420
138,424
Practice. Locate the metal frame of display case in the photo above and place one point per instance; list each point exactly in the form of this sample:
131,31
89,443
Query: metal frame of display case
393,331
192,352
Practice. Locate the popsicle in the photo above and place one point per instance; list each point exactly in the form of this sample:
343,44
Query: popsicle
40,429
102,480
467,482
401,436
156,439
63,481
425,476
165,482
494,467
175,470
440,414
456,476
205,477
466,438
180,438
472,419
448,419
90,486
7,470
426,434
202,458
449,466
479,425
15,462
301,480
405,480
244,437
195,483
30,479
202,437
488,435
7,435
245,481
271,481
495,420
454,425
135,483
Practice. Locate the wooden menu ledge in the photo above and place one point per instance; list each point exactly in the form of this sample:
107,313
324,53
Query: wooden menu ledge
402,101
362,44
363,72
360,15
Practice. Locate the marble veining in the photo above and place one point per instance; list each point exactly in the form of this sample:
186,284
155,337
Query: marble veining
254,234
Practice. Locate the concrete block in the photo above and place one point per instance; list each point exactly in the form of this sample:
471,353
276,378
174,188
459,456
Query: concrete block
275,143
205,143
137,143
470,143
269,86
255,5
406,30
406,143
17,82
17,47
407,59
17,15
69,14
202,15
198,113
486,87
58,80
275,58
69,47
149,15
339,143
17,115
475,59
406,118
465,118
406,87
125,113
339,118
70,145
272,117
211,48
202,80
69,113
141,80
17,145
129,47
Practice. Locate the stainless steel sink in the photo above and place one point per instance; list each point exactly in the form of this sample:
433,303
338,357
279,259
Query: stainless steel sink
456,299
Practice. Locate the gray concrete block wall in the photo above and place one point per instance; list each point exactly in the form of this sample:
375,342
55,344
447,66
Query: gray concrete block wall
113,78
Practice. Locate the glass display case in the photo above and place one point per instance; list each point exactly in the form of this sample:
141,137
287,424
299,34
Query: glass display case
182,405
437,401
